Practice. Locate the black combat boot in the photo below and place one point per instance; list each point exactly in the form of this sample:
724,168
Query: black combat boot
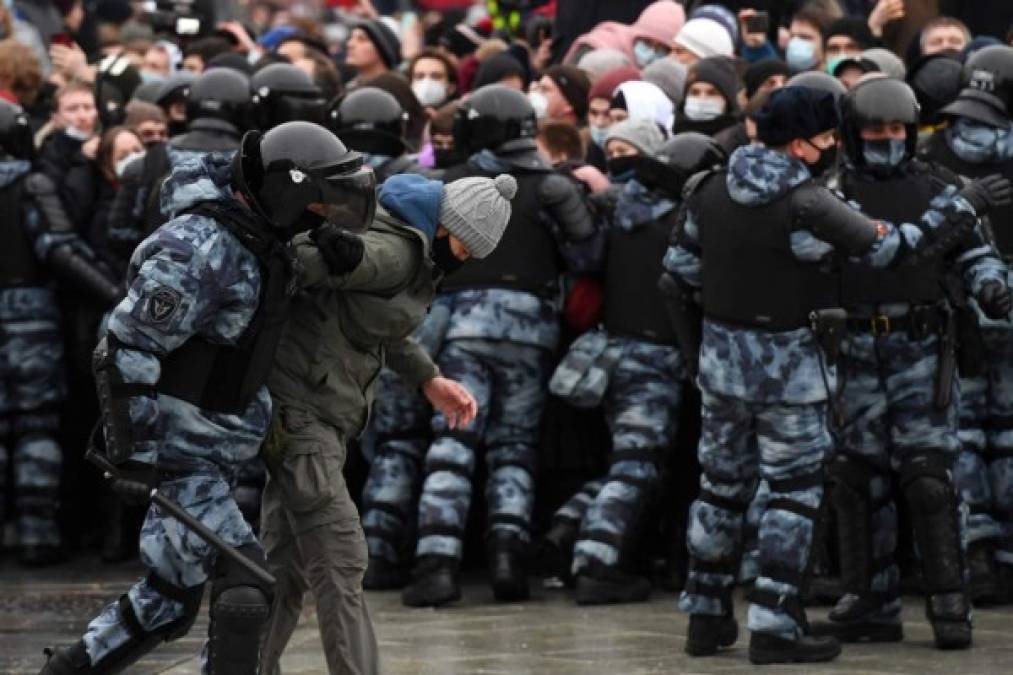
708,633
557,549
853,620
383,575
983,573
507,572
599,584
434,583
72,660
949,614
766,648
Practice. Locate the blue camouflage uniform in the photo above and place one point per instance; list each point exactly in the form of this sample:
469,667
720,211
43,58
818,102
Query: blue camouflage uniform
209,285
34,383
641,407
401,428
764,398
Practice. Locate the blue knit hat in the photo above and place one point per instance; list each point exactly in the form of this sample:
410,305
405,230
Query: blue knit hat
795,112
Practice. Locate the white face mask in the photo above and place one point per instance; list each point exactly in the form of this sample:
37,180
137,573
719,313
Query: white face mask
539,103
76,134
121,165
430,93
703,108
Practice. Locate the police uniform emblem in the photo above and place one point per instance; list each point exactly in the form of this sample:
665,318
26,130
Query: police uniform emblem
162,304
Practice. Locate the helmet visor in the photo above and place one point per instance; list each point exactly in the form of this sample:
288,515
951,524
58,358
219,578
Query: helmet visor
349,200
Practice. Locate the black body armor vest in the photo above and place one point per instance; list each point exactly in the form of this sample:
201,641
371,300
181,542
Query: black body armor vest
751,277
938,150
225,378
18,264
898,199
633,302
526,258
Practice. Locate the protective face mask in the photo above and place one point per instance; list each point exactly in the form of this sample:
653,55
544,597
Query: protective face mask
644,54
884,154
149,76
76,134
444,158
977,143
539,103
598,135
801,54
825,162
833,63
443,256
430,93
623,169
121,165
703,108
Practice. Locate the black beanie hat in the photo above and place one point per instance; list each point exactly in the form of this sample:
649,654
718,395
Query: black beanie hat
383,38
496,67
854,27
795,112
720,72
574,86
757,73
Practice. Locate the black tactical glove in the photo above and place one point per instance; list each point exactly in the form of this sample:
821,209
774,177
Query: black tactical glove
995,300
988,193
135,483
341,250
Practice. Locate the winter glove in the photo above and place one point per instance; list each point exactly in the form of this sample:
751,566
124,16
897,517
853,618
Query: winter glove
988,193
995,300
135,483
340,249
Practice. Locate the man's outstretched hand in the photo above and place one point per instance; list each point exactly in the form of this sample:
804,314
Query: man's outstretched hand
452,399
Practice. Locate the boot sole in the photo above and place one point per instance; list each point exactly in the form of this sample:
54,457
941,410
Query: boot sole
726,639
853,632
591,592
764,657
957,642
452,595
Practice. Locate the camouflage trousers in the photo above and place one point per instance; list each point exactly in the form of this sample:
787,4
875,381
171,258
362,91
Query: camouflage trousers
509,382
32,385
984,470
641,407
742,442
174,555
890,416
401,426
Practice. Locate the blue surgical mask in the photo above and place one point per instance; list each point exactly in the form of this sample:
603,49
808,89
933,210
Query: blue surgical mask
884,154
644,54
801,54
978,143
375,161
834,62
598,135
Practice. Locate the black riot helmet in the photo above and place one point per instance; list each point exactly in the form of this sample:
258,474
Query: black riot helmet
814,79
881,100
987,95
222,94
15,133
493,115
296,164
936,80
284,93
370,120
679,158
175,89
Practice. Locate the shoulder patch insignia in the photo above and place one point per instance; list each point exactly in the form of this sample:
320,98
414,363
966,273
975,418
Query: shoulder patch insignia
161,305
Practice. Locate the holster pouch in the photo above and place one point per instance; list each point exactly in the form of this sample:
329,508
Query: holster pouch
970,345
582,377
947,369
829,326
686,318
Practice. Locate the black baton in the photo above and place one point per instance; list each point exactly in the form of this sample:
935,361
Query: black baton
181,514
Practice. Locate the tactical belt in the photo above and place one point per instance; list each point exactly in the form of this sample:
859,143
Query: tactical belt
920,322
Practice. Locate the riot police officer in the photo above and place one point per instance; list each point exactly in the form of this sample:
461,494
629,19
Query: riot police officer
766,356
40,245
283,93
181,376
978,141
899,407
372,122
499,342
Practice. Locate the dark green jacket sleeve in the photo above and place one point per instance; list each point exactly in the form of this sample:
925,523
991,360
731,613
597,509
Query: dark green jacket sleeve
411,363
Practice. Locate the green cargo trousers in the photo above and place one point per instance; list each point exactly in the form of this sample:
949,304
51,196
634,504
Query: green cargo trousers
311,532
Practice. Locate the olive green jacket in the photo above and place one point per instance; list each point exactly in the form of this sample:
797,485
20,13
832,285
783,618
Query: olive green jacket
343,329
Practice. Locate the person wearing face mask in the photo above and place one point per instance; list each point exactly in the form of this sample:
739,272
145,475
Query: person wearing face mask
433,78
502,330
978,141
561,95
805,44
710,103
118,148
371,121
766,358
365,292
900,360
599,99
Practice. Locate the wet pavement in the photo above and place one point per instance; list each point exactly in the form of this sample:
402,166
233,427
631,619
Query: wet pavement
547,635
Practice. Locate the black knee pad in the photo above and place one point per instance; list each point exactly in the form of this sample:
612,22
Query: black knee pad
240,608
925,481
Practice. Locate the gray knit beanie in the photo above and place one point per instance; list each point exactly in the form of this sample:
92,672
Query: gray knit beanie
476,211
644,135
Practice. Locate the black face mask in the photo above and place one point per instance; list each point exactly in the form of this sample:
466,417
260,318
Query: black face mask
443,257
176,127
623,169
825,161
444,158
